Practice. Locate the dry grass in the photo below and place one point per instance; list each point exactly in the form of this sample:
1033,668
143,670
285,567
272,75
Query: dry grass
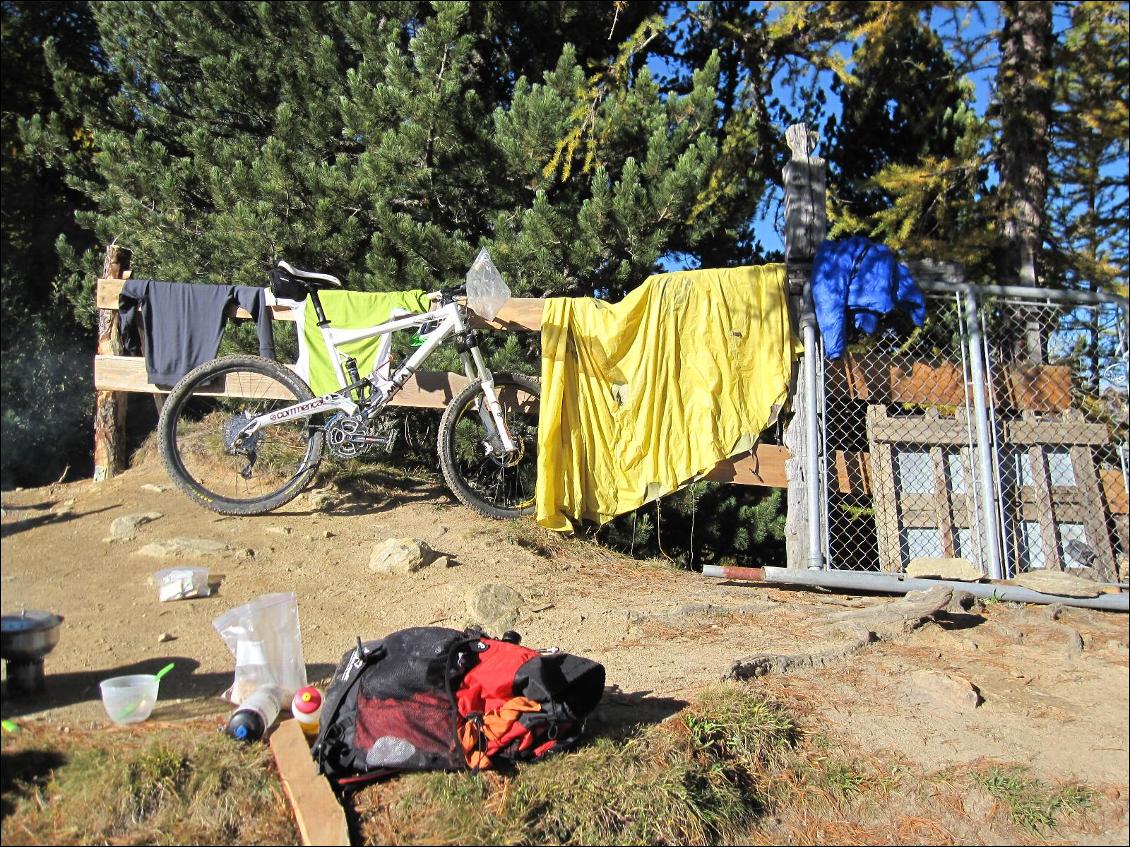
156,784
698,778
732,768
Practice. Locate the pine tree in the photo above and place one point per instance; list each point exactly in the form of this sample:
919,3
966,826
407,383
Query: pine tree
903,156
1089,202
45,388
371,140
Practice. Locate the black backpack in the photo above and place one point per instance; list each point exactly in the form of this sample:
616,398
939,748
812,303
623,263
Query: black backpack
432,698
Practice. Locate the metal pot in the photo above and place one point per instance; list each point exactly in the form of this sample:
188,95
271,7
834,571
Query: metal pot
24,640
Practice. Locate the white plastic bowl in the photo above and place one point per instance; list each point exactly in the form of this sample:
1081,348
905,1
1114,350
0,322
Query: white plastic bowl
130,699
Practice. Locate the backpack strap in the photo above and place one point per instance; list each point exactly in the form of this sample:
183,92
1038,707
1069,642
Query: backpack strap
360,660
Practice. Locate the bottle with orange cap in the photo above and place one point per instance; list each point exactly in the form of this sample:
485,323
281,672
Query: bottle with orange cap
307,709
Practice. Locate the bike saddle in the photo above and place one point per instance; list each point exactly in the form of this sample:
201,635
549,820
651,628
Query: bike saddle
310,279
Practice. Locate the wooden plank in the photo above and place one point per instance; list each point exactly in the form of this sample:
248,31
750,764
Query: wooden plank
1094,517
1115,491
1041,488
107,292
319,815
518,314
1042,388
1056,432
926,384
425,390
765,466
853,472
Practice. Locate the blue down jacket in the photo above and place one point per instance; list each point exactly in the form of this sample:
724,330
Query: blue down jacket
857,278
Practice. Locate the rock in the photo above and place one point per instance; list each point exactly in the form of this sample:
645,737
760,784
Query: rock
279,530
494,606
1056,582
165,637
400,555
943,689
125,526
154,488
182,546
442,562
960,569
327,534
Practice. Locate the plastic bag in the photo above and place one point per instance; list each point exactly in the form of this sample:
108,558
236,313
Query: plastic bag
266,641
487,292
181,583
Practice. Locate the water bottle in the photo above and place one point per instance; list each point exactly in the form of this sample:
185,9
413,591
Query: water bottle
307,709
255,714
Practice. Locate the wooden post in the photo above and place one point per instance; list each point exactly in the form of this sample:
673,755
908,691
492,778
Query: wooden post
806,224
110,406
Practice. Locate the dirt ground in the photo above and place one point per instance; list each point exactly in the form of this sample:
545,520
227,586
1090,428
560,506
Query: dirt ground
1054,692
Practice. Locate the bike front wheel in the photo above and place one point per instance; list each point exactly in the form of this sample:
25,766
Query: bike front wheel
208,457
476,470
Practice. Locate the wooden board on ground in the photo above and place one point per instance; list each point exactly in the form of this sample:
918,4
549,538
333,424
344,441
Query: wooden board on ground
319,815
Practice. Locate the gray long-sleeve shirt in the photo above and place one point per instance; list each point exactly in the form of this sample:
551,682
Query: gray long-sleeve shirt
183,323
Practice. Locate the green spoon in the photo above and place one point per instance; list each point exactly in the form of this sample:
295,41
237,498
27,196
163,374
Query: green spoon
158,675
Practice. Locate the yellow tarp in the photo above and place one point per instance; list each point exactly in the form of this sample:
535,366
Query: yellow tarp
640,396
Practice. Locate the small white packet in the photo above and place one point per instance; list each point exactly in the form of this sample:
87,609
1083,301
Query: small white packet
181,583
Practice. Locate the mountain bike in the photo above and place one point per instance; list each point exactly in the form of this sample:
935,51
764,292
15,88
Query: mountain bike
243,435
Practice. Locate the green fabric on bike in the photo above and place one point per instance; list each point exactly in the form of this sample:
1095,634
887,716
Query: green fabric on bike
641,396
348,310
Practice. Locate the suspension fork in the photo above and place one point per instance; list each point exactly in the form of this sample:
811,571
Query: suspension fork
490,412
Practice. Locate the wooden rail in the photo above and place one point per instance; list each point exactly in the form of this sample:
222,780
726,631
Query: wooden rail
426,390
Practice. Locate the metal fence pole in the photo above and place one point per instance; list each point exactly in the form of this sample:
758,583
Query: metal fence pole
990,539
812,430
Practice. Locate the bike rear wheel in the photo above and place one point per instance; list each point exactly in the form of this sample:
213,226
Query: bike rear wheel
208,459
477,473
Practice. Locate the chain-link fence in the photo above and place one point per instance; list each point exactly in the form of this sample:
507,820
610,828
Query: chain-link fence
905,475
1059,430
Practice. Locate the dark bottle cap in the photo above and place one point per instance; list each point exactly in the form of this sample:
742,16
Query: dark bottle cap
245,725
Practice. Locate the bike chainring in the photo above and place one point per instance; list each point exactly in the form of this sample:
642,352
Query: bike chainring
347,436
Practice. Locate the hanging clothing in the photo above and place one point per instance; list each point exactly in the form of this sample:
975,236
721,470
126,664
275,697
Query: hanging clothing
857,279
641,396
349,310
183,322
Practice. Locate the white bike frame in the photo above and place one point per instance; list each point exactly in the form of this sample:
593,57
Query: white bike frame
451,322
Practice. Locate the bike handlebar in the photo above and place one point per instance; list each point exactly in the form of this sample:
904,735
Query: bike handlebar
448,295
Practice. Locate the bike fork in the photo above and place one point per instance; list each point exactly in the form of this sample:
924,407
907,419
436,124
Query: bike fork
494,422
